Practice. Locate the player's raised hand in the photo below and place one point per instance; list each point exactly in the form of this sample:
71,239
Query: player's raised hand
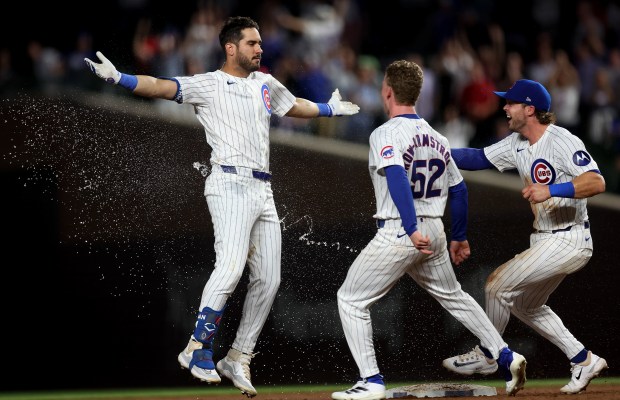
106,70
340,107
421,242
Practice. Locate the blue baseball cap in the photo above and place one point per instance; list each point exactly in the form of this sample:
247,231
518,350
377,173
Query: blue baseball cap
528,92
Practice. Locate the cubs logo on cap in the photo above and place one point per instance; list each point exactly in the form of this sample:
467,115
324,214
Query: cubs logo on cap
528,92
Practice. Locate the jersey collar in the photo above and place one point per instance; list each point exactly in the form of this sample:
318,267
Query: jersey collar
410,116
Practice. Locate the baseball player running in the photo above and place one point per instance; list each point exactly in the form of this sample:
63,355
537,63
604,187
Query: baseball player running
558,175
234,104
412,173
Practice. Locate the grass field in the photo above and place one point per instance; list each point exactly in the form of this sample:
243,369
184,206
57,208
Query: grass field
283,392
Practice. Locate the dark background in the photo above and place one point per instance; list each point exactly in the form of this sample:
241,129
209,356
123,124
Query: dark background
389,28
107,244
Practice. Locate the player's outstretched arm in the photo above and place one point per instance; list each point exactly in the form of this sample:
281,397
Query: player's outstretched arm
335,107
142,85
339,107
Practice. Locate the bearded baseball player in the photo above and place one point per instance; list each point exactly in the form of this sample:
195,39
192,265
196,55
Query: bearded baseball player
558,175
412,173
234,104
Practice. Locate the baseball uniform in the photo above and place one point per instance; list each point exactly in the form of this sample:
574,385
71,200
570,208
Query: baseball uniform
561,243
410,142
235,113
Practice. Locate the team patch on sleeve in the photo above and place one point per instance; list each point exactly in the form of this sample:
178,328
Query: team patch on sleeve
387,152
266,97
581,158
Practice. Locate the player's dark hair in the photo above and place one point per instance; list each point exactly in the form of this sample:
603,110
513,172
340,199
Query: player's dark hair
231,31
545,117
405,78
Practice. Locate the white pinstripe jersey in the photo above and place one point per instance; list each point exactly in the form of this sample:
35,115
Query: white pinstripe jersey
557,157
236,114
425,155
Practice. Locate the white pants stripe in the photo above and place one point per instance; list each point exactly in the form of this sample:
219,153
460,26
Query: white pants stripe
523,284
377,269
247,231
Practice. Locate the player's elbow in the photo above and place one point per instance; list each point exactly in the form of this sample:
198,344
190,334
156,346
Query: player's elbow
599,186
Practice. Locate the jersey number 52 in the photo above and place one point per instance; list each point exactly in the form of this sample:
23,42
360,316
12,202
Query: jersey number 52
421,168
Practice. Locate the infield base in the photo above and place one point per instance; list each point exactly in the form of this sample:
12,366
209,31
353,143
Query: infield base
440,390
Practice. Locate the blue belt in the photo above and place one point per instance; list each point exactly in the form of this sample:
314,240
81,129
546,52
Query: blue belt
263,176
586,224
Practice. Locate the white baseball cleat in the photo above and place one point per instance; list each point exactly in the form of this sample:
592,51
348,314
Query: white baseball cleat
583,374
362,390
199,361
236,367
513,365
474,362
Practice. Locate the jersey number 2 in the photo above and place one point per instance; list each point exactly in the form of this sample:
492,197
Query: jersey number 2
437,167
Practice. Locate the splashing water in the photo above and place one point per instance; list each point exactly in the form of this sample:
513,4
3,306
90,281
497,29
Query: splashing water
126,196
305,237
123,190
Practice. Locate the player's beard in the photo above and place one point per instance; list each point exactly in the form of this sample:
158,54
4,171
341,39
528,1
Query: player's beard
247,63
516,123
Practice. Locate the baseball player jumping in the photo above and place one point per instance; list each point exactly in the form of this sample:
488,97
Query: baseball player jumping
559,175
234,104
412,173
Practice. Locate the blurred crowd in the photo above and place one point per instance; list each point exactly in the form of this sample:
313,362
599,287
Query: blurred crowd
314,46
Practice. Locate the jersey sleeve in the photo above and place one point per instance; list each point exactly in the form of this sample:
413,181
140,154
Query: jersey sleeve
384,149
196,89
282,100
574,157
502,153
454,174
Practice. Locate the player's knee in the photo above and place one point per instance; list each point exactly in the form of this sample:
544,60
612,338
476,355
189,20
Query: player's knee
491,290
270,285
343,299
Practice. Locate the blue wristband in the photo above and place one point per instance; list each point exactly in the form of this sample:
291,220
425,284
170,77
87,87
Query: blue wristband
562,190
324,110
128,81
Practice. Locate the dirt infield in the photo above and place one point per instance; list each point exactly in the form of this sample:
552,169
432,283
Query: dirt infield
594,392
598,392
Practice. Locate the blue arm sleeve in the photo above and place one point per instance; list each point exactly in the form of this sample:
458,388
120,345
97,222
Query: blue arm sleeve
400,190
458,210
471,159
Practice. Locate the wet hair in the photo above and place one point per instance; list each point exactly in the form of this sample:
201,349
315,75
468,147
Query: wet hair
231,31
405,78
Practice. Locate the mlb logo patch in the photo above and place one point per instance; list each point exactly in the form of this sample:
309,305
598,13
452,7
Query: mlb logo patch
387,152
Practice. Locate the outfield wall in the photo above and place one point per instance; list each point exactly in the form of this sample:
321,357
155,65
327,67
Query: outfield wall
108,243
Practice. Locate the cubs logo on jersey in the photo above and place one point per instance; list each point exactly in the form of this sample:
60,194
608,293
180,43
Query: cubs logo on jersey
581,158
542,172
266,97
387,152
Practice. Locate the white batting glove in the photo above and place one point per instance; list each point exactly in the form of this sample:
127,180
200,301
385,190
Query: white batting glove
340,107
106,70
